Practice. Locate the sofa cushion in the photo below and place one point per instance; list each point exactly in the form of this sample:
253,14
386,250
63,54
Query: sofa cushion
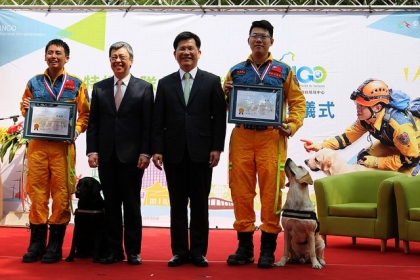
361,210
414,214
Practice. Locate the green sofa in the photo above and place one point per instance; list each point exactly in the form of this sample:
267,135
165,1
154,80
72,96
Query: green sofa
358,204
407,195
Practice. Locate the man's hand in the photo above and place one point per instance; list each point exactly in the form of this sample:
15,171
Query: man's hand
143,162
158,161
311,146
369,161
227,87
93,160
214,158
285,130
26,103
76,134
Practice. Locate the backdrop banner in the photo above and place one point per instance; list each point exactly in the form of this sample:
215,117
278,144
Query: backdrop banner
332,53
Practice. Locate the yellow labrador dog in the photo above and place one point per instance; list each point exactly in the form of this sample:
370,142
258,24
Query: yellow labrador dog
329,162
302,243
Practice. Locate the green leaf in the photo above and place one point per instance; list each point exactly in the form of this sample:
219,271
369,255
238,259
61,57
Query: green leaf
6,146
15,147
23,141
13,150
4,149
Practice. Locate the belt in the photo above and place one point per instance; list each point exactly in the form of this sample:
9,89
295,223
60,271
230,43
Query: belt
253,127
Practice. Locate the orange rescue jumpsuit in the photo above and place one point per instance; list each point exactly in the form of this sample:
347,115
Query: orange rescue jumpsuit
51,164
253,153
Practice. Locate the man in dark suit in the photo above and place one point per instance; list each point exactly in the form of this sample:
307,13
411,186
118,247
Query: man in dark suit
118,143
189,128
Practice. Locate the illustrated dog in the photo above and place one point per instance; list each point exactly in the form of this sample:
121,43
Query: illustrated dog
302,243
88,240
329,162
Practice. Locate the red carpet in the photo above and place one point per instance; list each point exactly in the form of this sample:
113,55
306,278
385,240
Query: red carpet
344,260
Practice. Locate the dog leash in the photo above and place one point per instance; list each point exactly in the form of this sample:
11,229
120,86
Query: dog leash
23,179
71,175
280,168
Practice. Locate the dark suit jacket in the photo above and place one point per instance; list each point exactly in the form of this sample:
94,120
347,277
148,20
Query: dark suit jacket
199,126
107,127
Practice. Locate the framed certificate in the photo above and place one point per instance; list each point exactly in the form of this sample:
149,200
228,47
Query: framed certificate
52,121
256,105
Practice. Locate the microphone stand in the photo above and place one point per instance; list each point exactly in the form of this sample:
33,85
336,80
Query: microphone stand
14,118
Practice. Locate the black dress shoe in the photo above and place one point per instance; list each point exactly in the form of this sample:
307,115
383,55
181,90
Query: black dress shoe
111,258
134,259
200,261
177,260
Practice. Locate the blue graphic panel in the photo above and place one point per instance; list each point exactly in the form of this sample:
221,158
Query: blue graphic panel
20,36
402,23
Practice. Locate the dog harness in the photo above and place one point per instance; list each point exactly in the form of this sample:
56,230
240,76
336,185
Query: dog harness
305,215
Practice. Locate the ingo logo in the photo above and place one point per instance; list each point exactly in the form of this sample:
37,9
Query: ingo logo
306,74
8,28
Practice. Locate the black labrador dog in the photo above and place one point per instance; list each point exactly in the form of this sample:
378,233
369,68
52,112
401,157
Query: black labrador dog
89,217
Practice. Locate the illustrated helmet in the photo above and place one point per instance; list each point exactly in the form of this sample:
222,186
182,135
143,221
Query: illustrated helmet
371,92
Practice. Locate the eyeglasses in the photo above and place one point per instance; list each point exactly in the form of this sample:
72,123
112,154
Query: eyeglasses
186,49
116,57
256,36
359,106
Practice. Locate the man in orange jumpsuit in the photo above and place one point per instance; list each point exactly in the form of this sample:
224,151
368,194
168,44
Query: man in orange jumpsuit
397,148
51,164
254,149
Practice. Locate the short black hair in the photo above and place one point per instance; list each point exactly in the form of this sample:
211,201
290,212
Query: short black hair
185,36
59,43
262,24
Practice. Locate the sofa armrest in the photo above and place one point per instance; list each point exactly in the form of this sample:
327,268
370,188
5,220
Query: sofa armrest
407,193
387,222
408,190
